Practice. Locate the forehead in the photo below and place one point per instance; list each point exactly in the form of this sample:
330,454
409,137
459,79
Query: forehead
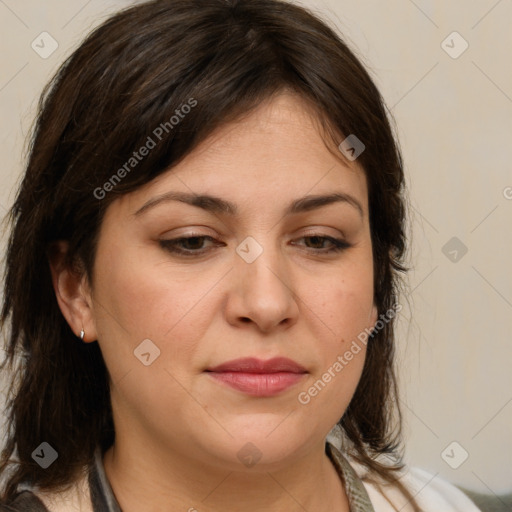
273,154
284,125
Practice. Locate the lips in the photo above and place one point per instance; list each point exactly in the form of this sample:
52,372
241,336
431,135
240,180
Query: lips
254,365
258,378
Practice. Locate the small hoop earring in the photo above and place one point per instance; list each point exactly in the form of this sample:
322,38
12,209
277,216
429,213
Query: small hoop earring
82,334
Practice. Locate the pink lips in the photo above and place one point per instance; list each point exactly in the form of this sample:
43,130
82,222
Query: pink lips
257,377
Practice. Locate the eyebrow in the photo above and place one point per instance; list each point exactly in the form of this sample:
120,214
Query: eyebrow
221,206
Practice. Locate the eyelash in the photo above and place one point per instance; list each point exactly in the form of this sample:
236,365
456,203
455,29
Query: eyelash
170,245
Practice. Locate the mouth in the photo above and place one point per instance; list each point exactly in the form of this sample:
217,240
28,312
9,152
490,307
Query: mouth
257,377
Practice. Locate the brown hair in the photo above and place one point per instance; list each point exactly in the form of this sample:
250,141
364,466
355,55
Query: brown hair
131,75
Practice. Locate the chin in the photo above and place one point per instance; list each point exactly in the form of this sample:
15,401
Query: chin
259,450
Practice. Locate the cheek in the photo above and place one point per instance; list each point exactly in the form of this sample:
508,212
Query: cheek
345,303
141,299
140,311
341,356
343,306
349,316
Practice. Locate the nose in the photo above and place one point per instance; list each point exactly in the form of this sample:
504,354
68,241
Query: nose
262,293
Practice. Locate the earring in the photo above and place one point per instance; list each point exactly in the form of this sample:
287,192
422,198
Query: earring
82,334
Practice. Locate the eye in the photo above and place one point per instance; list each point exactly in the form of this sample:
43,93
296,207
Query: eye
194,245
191,244
337,244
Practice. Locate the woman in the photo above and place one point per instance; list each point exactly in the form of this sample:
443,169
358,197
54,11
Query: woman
203,271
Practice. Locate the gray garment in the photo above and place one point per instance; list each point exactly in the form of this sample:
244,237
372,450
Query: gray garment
357,496
102,496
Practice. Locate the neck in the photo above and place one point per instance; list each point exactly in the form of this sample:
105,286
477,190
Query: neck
167,482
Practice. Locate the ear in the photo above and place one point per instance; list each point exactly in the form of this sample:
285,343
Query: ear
72,291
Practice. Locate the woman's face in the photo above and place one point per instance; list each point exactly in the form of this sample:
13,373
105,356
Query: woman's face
257,280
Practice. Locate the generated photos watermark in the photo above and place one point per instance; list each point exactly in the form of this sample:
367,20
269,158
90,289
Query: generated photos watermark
304,397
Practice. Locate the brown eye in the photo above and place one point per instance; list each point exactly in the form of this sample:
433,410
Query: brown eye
337,244
186,246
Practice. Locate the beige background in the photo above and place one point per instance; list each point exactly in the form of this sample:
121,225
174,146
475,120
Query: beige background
454,118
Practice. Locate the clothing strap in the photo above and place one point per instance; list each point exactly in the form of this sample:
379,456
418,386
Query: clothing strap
356,493
102,496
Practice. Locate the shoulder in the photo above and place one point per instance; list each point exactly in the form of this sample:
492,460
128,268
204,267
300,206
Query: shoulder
25,501
75,499
490,502
431,492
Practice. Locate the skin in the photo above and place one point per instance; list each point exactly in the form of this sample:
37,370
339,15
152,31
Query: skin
178,431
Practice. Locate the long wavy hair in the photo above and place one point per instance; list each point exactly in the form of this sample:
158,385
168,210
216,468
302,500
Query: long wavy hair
128,77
